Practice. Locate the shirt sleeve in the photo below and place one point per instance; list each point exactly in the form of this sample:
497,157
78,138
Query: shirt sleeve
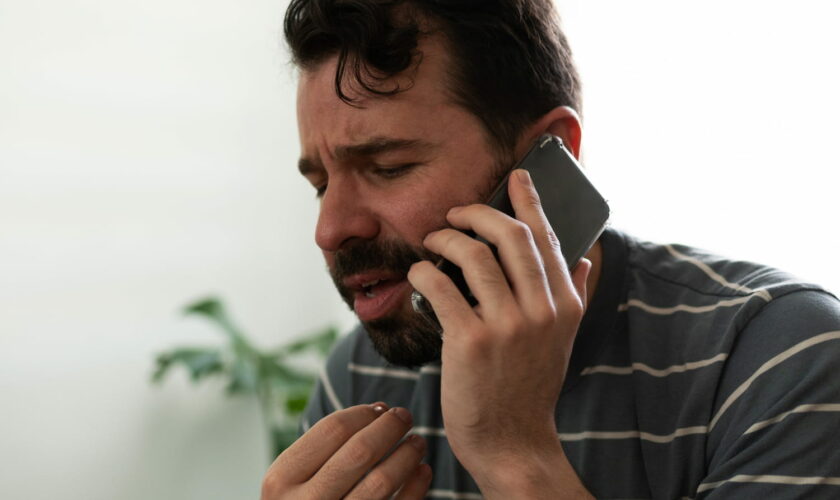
775,427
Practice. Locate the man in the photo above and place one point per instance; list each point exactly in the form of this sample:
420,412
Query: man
644,371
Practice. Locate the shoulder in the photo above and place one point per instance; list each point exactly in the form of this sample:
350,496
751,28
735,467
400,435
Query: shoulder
685,304
671,278
706,273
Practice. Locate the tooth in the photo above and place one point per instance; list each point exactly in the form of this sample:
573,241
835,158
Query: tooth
370,295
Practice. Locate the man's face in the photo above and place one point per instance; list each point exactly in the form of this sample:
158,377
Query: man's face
386,172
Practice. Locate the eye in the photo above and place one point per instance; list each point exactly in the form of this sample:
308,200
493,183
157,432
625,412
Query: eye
395,171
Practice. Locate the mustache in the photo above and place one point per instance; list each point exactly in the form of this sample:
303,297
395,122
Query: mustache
368,255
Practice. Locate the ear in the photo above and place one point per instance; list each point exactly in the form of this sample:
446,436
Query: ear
561,121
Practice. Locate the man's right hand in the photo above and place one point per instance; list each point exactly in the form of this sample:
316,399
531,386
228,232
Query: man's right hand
342,456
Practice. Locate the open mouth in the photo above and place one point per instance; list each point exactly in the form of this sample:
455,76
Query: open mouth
379,297
369,289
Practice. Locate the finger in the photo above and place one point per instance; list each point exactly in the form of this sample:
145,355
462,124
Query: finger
312,450
387,477
519,256
482,271
417,485
356,457
451,308
579,275
526,205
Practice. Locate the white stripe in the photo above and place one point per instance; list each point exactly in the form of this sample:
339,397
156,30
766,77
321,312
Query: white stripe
717,277
304,424
685,307
641,367
328,388
580,436
428,431
645,436
798,409
380,371
767,478
779,358
453,494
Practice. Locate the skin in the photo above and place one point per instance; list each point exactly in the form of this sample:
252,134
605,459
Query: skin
500,377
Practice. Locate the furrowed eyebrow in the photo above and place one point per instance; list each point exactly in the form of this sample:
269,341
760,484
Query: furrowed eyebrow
379,145
375,146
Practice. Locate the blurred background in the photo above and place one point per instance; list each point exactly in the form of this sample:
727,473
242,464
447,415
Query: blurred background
147,159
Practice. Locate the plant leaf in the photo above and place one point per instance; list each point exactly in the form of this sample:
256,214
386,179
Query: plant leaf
199,362
321,341
212,309
296,403
278,372
243,377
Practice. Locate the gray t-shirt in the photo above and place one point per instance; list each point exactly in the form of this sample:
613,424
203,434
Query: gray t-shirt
692,376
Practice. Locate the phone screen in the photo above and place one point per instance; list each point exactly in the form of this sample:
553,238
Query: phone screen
575,210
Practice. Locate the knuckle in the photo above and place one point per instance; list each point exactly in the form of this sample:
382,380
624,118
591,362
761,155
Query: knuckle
479,252
573,308
545,315
336,428
532,197
360,452
515,326
518,230
440,283
377,484
553,242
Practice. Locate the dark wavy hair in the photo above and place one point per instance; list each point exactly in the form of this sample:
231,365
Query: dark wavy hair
510,61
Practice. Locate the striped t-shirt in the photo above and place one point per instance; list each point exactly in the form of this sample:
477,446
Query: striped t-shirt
692,376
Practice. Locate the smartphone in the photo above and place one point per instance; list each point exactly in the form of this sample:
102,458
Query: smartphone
575,210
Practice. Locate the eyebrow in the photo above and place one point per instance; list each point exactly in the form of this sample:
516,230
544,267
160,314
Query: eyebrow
372,147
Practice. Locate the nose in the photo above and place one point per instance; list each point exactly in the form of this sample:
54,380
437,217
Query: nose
345,215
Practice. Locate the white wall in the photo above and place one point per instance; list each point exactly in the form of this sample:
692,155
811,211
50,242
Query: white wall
716,124
147,156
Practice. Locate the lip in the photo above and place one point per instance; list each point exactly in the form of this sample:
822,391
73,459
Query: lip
388,295
357,281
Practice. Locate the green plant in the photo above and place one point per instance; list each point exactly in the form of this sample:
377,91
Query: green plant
282,388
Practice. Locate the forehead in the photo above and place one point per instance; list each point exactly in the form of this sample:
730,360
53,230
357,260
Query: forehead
420,108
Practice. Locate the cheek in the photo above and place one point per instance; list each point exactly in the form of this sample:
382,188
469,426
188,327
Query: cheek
411,218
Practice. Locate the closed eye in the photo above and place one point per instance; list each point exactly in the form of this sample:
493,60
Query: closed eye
394,172
385,172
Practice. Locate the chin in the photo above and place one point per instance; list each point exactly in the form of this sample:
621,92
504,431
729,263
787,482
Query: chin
404,340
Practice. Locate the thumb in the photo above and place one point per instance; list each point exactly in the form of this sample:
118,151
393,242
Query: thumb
579,275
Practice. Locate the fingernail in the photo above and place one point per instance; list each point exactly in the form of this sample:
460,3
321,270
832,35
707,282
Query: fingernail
402,414
455,210
417,442
523,176
379,407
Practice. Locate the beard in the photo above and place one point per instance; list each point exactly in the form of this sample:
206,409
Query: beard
403,338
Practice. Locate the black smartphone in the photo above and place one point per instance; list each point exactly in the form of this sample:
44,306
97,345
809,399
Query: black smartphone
575,210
